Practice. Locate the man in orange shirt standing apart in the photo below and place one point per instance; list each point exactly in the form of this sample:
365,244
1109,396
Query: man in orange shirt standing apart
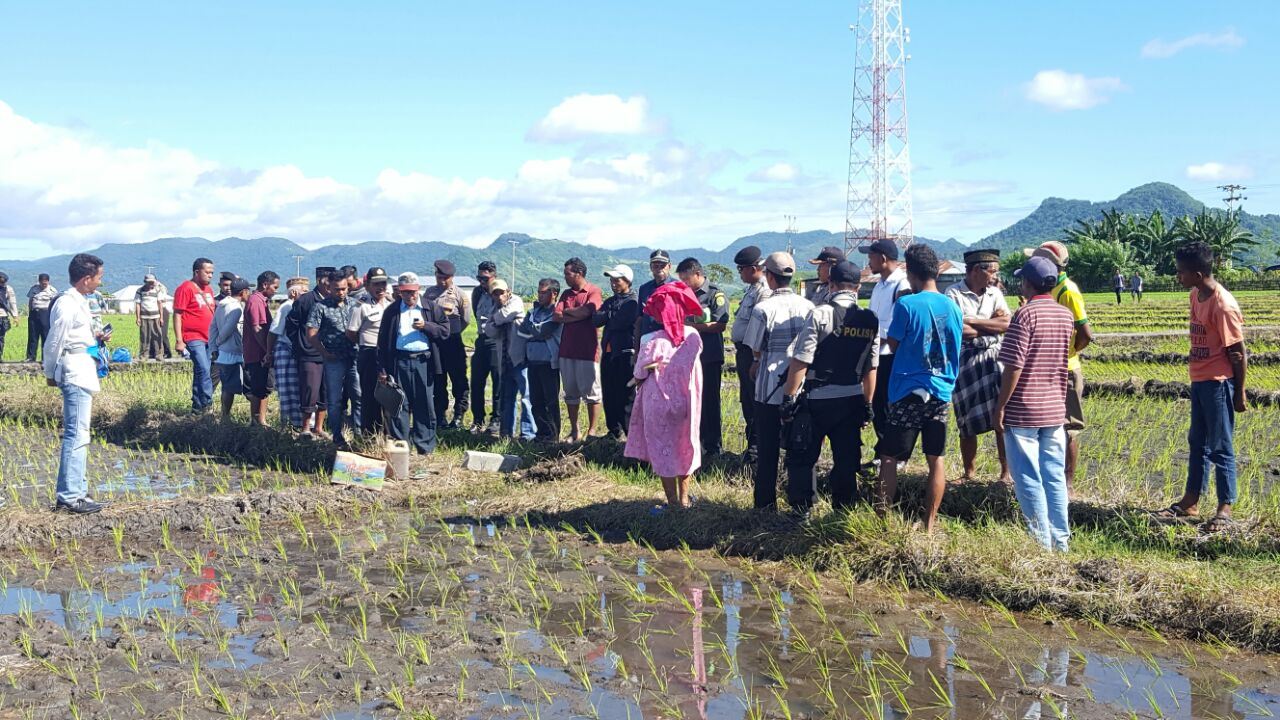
1218,368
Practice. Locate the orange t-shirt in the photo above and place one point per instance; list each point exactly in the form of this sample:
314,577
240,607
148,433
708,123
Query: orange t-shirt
1216,324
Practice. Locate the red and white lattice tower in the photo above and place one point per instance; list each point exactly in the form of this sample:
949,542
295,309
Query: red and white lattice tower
879,195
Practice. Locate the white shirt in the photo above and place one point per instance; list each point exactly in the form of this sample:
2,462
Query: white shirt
776,324
883,297
70,336
282,314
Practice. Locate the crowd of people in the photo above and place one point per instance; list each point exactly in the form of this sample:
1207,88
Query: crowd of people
366,354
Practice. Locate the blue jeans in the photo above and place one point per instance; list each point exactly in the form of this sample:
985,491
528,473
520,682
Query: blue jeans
341,382
1037,461
1213,424
77,403
515,380
201,376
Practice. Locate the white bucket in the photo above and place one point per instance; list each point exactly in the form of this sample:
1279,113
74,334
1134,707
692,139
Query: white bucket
398,459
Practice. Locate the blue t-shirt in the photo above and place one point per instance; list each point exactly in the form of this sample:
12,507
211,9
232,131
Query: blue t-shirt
927,327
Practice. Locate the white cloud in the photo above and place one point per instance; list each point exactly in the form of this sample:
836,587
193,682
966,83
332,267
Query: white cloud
1160,49
778,173
585,116
67,190
1218,171
1061,90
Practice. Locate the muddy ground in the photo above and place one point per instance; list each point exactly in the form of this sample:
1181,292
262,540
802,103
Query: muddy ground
424,613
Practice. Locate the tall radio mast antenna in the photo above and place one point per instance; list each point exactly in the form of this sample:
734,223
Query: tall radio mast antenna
879,195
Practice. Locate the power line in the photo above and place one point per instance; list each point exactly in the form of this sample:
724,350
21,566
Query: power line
1233,198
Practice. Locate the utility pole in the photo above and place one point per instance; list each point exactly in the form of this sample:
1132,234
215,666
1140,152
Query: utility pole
790,232
150,268
514,243
878,204
297,265
1233,198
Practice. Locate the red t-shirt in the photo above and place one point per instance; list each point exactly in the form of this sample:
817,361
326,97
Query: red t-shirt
578,339
256,314
196,306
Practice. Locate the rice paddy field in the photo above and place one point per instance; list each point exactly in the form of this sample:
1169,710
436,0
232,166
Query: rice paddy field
229,578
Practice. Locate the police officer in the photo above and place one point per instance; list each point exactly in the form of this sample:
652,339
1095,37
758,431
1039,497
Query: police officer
486,361
772,334
820,291
751,272
715,317
449,306
660,269
831,378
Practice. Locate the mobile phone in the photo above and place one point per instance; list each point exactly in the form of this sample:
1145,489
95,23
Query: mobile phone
106,329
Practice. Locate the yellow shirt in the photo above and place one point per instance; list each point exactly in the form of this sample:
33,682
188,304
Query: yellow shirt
1067,293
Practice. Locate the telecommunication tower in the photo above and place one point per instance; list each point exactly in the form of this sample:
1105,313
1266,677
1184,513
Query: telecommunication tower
879,194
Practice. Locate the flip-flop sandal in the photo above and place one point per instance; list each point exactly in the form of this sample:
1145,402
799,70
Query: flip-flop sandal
1173,513
1217,524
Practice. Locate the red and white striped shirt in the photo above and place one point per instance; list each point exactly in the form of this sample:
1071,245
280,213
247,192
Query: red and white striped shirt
1037,342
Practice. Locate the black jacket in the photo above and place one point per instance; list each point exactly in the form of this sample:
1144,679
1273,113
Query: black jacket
617,315
389,331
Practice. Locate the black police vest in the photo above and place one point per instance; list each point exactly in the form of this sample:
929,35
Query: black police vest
841,357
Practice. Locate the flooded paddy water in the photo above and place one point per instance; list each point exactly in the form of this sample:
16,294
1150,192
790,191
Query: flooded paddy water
29,464
382,613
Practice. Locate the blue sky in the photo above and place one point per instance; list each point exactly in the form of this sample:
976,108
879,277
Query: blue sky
658,122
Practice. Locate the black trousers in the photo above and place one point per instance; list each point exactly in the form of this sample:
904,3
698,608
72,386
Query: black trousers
615,376
416,421
880,401
1118,291
840,421
485,366
371,420
37,332
768,450
544,393
746,392
453,361
4,330
709,431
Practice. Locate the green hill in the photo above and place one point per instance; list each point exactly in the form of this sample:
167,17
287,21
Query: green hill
1054,215
544,257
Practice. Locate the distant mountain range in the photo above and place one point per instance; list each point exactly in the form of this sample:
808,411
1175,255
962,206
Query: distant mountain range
541,257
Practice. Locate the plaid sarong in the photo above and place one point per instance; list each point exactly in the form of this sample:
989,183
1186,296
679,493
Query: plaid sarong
977,388
287,386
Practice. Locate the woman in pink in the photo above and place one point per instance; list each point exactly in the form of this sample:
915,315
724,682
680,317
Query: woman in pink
668,406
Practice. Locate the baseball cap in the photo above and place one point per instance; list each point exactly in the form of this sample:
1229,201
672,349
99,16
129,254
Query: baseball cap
621,271
497,284
659,256
749,255
1039,270
446,268
377,274
829,254
884,246
846,272
780,263
408,281
148,278
239,285
1053,250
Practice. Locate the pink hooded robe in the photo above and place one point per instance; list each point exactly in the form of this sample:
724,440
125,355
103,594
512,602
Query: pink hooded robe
667,411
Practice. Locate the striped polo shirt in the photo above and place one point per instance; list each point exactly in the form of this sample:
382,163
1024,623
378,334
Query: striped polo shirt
1037,343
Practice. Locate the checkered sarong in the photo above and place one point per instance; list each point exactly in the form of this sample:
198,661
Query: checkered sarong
977,388
287,385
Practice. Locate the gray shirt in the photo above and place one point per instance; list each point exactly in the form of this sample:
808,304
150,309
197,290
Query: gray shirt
41,298
819,325
750,298
776,324
982,307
